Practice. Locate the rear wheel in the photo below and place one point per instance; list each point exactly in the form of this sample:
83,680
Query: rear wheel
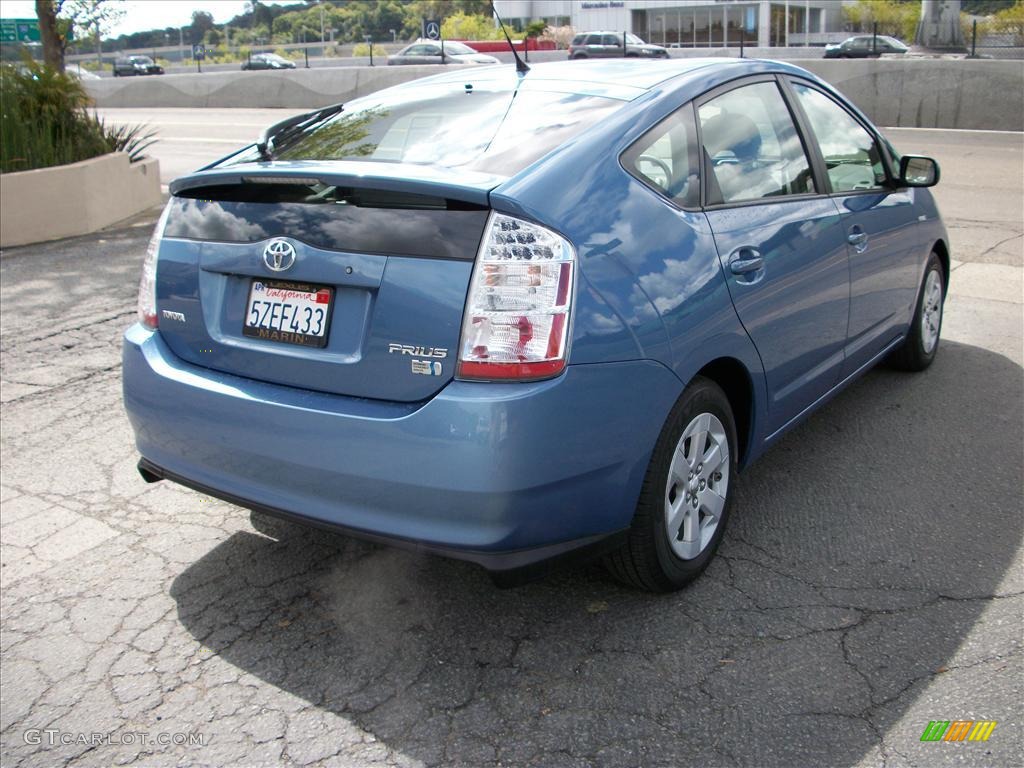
684,504
922,342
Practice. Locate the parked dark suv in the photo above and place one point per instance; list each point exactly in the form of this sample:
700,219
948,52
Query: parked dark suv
609,45
128,66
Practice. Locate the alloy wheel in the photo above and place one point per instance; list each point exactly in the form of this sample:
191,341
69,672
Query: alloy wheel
931,311
698,483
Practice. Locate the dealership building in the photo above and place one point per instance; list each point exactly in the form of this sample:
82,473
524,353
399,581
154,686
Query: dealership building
690,23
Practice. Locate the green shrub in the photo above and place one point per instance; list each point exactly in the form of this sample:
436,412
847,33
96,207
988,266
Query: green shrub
462,26
131,139
44,121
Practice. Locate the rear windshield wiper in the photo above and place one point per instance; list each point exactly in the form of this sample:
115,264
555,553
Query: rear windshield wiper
279,134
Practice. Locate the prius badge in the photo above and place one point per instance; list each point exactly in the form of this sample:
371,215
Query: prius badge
279,255
423,367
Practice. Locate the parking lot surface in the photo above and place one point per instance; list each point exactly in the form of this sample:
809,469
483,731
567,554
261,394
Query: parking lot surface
871,580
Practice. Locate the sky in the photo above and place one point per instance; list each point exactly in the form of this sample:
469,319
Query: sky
142,15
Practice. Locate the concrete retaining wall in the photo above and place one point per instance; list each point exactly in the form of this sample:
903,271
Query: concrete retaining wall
69,200
298,88
925,93
931,93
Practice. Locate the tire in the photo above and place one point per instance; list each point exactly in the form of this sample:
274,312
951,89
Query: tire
651,559
922,343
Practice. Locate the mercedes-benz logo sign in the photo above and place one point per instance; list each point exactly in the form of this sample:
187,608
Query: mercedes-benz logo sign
279,255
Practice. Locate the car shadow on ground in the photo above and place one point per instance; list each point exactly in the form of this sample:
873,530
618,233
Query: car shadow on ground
861,553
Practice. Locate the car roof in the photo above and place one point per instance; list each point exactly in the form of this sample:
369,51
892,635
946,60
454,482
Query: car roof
632,76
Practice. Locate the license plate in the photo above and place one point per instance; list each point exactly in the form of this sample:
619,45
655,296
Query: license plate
293,313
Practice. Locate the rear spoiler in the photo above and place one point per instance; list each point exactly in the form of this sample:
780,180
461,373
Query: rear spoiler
466,186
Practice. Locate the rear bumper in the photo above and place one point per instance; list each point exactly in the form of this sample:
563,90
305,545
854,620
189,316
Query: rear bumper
520,561
504,475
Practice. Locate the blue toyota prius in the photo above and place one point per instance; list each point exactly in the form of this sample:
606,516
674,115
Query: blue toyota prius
508,316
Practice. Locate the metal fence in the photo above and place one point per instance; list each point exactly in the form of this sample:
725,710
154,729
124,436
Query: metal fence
986,37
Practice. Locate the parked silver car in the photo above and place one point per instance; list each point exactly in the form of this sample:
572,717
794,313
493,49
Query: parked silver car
438,52
864,46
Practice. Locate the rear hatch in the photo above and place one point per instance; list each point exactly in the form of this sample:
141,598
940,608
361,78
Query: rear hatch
351,283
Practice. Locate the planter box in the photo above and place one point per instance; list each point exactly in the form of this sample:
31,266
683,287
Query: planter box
76,199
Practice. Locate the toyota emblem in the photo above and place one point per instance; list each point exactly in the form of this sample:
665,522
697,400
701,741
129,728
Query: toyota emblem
279,255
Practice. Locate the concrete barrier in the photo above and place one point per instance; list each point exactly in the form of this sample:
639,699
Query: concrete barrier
924,93
931,93
298,88
75,199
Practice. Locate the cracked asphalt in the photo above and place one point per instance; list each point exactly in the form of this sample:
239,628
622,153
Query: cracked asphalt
871,580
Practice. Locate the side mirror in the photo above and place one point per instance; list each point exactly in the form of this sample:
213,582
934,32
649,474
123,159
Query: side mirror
918,171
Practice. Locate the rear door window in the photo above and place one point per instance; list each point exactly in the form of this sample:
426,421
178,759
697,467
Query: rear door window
751,148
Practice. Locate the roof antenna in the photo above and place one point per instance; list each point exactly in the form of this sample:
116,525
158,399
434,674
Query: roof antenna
521,66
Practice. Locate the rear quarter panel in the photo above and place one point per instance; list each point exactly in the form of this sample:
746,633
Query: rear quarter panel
650,282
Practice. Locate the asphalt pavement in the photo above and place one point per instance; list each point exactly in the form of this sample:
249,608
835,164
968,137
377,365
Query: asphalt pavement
871,580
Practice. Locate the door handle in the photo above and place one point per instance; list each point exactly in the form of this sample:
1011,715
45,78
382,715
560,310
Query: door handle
858,238
745,261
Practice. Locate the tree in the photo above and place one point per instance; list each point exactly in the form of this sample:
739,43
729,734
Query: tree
986,7
892,17
536,28
459,26
202,22
57,19
54,42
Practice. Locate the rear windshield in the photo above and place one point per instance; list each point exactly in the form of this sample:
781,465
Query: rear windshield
494,131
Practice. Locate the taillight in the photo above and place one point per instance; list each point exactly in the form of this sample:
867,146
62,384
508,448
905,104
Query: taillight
147,285
517,313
